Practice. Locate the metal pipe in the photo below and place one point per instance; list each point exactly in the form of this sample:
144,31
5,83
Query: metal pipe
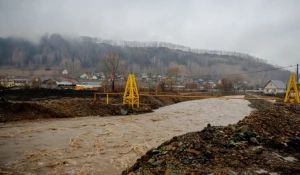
193,96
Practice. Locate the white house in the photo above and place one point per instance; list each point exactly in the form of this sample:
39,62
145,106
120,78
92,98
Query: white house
274,87
84,76
65,72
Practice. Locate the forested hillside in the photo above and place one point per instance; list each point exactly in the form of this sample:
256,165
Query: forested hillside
79,54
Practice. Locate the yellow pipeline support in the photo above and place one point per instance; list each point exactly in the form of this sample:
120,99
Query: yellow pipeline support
131,94
107,95
292,94
221,97
192,96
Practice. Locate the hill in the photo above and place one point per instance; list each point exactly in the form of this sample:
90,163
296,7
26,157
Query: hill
80,54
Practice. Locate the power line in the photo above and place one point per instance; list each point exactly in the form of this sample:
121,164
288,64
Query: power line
243,73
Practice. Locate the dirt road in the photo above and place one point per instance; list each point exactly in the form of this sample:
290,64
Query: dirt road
105,145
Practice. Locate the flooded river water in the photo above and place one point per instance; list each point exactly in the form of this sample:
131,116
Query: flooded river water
105,145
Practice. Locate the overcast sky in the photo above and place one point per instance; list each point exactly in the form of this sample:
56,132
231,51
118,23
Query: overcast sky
269,29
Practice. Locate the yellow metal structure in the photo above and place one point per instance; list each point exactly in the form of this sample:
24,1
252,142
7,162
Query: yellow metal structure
77,88
292,94
107,95
193,96
131,94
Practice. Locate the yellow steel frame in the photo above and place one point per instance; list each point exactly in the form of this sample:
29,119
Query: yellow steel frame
191,96
107,95
292,94
131,94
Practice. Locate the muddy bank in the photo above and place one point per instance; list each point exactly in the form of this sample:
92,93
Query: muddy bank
259,104
11,111
63,108
267,141
32,104
45,94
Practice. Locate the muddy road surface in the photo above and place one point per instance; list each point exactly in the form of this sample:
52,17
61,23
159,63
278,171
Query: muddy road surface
105,145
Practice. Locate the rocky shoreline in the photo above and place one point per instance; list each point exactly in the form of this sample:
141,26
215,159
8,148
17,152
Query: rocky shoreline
265,142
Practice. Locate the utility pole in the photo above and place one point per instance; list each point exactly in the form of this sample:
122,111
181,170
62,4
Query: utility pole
149,80
297,74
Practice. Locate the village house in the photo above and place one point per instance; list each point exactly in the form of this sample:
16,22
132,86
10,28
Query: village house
13,82
65,72
49,84
20,82
65,85
7,82
274,87
84,77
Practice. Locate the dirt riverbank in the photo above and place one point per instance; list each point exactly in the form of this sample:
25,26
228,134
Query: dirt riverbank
265,142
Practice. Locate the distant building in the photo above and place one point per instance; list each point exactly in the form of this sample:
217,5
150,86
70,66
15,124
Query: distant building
84,77
200,81
88,85
13,82
20,82
65,72
7,82
274,87
49,84
144,76
65,85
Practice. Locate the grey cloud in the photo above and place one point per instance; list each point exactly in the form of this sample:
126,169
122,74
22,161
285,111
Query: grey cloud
268,29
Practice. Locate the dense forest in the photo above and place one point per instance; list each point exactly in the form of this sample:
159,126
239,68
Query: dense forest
80,53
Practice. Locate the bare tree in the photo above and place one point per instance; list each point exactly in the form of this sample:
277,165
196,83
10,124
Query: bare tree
112,61
226,84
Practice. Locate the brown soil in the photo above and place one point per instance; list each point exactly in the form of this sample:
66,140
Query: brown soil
264,142
31,104
15,110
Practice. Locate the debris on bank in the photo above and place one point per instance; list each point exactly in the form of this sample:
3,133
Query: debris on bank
267,141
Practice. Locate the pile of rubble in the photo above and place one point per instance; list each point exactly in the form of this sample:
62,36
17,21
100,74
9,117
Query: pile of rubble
276,125
265,142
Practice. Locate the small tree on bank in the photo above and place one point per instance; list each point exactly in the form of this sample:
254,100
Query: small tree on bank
111,62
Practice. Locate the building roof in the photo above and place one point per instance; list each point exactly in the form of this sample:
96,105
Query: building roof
63,83
278,84
90,83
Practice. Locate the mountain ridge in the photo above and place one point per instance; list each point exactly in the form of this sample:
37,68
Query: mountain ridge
78,54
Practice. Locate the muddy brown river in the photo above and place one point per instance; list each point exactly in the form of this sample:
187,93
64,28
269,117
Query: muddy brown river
105,145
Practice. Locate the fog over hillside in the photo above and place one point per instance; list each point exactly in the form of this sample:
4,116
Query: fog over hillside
79,54
266,29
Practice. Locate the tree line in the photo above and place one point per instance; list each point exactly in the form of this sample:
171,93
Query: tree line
76,54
